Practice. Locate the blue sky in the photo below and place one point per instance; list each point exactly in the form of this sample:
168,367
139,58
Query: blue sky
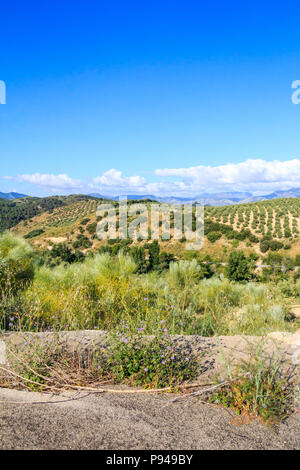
165,97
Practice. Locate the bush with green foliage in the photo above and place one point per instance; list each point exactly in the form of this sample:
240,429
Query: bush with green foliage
91,228
165,259
138,254
238,268
84,221
16,264
34,233
213,236
61,253
264,246
154,250
82,242
275,245
150,361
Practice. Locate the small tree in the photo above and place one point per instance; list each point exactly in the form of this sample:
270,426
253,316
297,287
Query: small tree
213,236
164,260
275,245
264,246
139,256
154,250
238,268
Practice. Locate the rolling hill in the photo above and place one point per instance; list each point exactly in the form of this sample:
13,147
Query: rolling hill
255,226
13,212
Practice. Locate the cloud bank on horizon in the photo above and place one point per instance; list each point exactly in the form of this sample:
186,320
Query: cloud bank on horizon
254,175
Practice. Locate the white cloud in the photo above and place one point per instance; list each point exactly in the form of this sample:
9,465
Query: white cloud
53,182
252,175
112,182
115,178
255,175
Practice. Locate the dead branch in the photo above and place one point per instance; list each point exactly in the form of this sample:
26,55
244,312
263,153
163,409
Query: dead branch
211,389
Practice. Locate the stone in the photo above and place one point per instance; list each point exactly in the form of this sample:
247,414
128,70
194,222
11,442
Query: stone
2,352
295,310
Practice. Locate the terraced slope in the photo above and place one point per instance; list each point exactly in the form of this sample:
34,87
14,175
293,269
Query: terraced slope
241,226
61,225
278,218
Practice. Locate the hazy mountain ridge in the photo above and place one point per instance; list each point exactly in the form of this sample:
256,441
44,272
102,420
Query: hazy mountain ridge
12,195
213,199
209,199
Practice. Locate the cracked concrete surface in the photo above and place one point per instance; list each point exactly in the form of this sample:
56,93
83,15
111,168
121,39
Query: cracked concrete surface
133,421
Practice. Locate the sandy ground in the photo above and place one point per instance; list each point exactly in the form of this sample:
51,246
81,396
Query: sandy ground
124,422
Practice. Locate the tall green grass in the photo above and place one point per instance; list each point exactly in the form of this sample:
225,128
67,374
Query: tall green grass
103,291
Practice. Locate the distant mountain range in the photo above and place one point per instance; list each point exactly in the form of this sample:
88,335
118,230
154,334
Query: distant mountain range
208,199
205,198
12,195
216,199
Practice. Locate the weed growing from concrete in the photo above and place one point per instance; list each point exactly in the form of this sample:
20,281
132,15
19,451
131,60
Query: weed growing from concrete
265,387
150,361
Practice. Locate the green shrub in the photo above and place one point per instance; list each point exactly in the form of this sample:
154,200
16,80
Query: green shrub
275,245
238,267
84,221
148,361
139,256
213,236
82,242
91,228
264,246
61,253
154,250
34,233
16,263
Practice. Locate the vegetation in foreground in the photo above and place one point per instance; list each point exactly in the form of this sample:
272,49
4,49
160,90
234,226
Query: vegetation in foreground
260,387
130,357
141,308
149,361
104,290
